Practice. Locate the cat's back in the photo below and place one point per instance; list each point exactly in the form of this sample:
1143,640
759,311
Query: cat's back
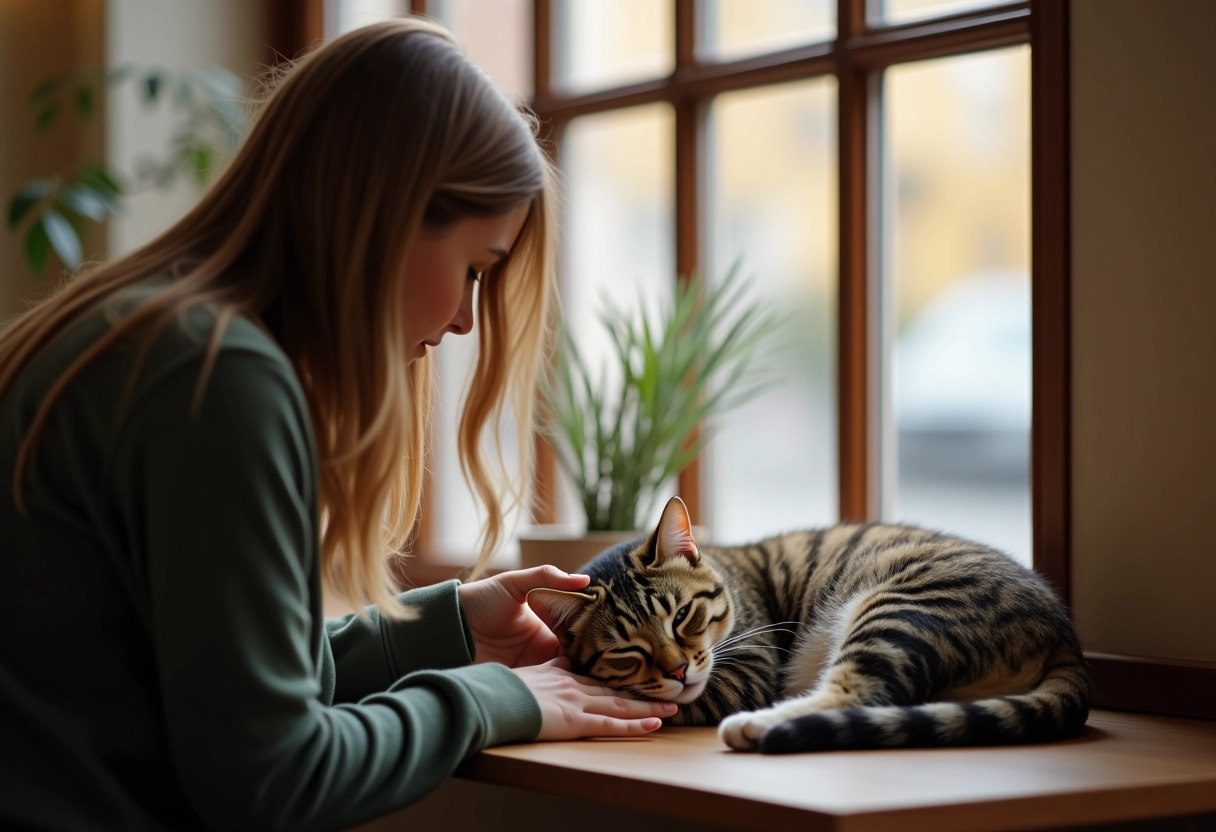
857,554
797,570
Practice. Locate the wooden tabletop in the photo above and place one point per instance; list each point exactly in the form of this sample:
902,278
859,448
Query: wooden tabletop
1124,767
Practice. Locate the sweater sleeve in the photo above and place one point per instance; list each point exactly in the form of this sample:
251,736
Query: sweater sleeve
219,510
366,654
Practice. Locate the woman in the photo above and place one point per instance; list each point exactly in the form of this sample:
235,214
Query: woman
200,435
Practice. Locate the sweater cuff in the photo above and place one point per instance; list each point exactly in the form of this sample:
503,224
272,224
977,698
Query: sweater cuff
437,639
509,710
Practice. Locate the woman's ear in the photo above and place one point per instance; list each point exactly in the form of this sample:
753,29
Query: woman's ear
559,609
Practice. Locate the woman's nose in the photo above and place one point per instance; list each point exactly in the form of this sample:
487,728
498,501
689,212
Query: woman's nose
462,324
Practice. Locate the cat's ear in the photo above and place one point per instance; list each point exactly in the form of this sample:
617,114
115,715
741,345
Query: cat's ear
673,538
558,609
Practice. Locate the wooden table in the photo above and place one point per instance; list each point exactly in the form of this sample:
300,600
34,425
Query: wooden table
1125,767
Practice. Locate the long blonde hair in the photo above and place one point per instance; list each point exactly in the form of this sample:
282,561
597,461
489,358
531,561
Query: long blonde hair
362,144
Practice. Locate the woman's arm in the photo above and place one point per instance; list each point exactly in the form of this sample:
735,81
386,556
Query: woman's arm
362,656
219,508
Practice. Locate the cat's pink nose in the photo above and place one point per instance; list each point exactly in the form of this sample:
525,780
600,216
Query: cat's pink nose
677,673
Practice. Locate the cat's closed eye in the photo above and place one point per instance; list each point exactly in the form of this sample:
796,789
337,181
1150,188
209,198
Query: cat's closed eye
695,624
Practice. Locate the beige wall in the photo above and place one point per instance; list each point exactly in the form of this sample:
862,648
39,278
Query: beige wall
40,39
1144,326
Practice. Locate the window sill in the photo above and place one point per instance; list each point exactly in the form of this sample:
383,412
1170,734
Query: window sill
1125,767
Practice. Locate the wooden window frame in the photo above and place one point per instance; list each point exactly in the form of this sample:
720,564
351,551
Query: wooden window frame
858,52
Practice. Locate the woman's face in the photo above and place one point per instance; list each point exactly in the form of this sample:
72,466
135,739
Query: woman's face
441,270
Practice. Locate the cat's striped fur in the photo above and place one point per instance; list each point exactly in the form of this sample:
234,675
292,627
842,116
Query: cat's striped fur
854,636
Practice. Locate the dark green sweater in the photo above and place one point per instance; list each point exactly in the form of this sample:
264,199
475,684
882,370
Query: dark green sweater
163,658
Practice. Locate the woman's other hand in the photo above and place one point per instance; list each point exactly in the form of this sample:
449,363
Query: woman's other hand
573,707
504,628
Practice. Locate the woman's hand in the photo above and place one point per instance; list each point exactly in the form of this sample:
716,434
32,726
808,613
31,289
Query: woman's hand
504,628
573,707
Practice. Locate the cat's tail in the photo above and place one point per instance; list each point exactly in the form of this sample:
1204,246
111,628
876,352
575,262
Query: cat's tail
1055,709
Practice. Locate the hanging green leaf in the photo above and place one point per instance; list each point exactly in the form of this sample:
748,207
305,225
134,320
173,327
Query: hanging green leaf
152,85
27,198
99,179
202,157
63,237
84,101
46,117
37,247
49,87
208,107
83,200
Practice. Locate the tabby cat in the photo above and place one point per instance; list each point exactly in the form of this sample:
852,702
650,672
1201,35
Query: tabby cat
854,636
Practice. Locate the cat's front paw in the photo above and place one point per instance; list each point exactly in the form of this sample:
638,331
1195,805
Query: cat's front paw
742,731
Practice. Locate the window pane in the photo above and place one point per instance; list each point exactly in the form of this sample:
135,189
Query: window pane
904,11
958,132
456,517
772,463
341,16
618,229
737,28
606,43
497,36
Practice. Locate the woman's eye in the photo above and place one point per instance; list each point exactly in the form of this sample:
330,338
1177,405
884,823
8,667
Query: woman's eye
474,275
681,614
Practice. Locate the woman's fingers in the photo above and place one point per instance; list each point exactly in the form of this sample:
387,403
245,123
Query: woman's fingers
571,708
519,581
612,716
606,726
618,706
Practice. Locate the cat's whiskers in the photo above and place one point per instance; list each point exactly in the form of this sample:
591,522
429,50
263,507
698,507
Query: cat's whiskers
753,631
777,626
751,647
727,661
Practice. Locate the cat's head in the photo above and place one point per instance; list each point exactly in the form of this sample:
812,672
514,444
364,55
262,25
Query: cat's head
648,620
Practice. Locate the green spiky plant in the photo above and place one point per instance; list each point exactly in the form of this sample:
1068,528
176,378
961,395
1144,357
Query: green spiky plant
699,358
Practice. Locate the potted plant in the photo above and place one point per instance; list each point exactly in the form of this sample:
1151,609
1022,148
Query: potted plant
53,213
620,437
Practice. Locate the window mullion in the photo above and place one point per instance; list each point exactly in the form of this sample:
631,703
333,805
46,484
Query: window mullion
687,206
542,49
855,422
544,482
1051,256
